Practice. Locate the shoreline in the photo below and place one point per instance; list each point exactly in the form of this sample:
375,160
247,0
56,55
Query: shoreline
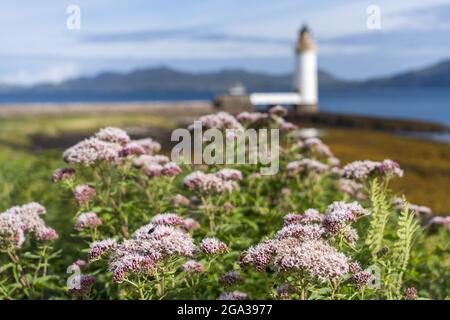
182,110
192,107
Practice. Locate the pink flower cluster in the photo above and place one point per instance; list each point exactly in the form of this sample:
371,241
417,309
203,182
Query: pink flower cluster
234,295
260,255
131,149
213,246
251,117
440,221
301,232
81,284
352,188
230,278
278,111
208,182
307,165
420,211
78,264
84,194
308,217
167,219
190,224
112,134
192,266
339,214
361,279
220,120
146,159
229,174
99,248
180,201
410,294
363,170
169,169
17,221
302,246
317,147
149,145
62,174
87,220
92,150
285,125
108,144
316,257
150,245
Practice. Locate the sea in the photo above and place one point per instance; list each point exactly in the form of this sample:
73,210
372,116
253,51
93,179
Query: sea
426,104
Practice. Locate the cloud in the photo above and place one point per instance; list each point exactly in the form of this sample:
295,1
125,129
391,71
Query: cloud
52,74
189,34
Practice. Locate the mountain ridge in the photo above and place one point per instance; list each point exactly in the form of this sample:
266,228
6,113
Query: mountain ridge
167,80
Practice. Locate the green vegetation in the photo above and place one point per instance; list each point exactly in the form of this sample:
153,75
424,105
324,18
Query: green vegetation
408,256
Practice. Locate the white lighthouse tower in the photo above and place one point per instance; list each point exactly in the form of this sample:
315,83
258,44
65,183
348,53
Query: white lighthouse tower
303,98
305,73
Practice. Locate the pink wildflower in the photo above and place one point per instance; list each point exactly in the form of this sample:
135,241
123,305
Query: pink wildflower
230,278
190,224
81,284
410,293
180,201
339,213
149,145
203,182
316,257
361,279
213,246
251,117
229,174
131,148
111,134
19,220
152,169
100,248
84,194
87,220
92,150
167,219
278,111
171,169
192,267
235,295
146,159
62,174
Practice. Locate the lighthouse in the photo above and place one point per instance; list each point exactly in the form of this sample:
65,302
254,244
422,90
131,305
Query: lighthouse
303,98
305,72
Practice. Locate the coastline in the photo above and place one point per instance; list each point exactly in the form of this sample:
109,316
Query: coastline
193,107
182,111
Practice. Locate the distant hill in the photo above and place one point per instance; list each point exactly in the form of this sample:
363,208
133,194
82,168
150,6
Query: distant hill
437,75
167,81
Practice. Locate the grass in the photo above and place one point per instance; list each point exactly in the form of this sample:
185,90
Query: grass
17,130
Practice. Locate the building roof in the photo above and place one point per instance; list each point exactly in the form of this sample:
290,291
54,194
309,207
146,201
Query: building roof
275,98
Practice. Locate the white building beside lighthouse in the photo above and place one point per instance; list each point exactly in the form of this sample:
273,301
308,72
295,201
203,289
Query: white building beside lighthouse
304,95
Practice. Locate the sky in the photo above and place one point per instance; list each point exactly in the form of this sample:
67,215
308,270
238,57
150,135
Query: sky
203,35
